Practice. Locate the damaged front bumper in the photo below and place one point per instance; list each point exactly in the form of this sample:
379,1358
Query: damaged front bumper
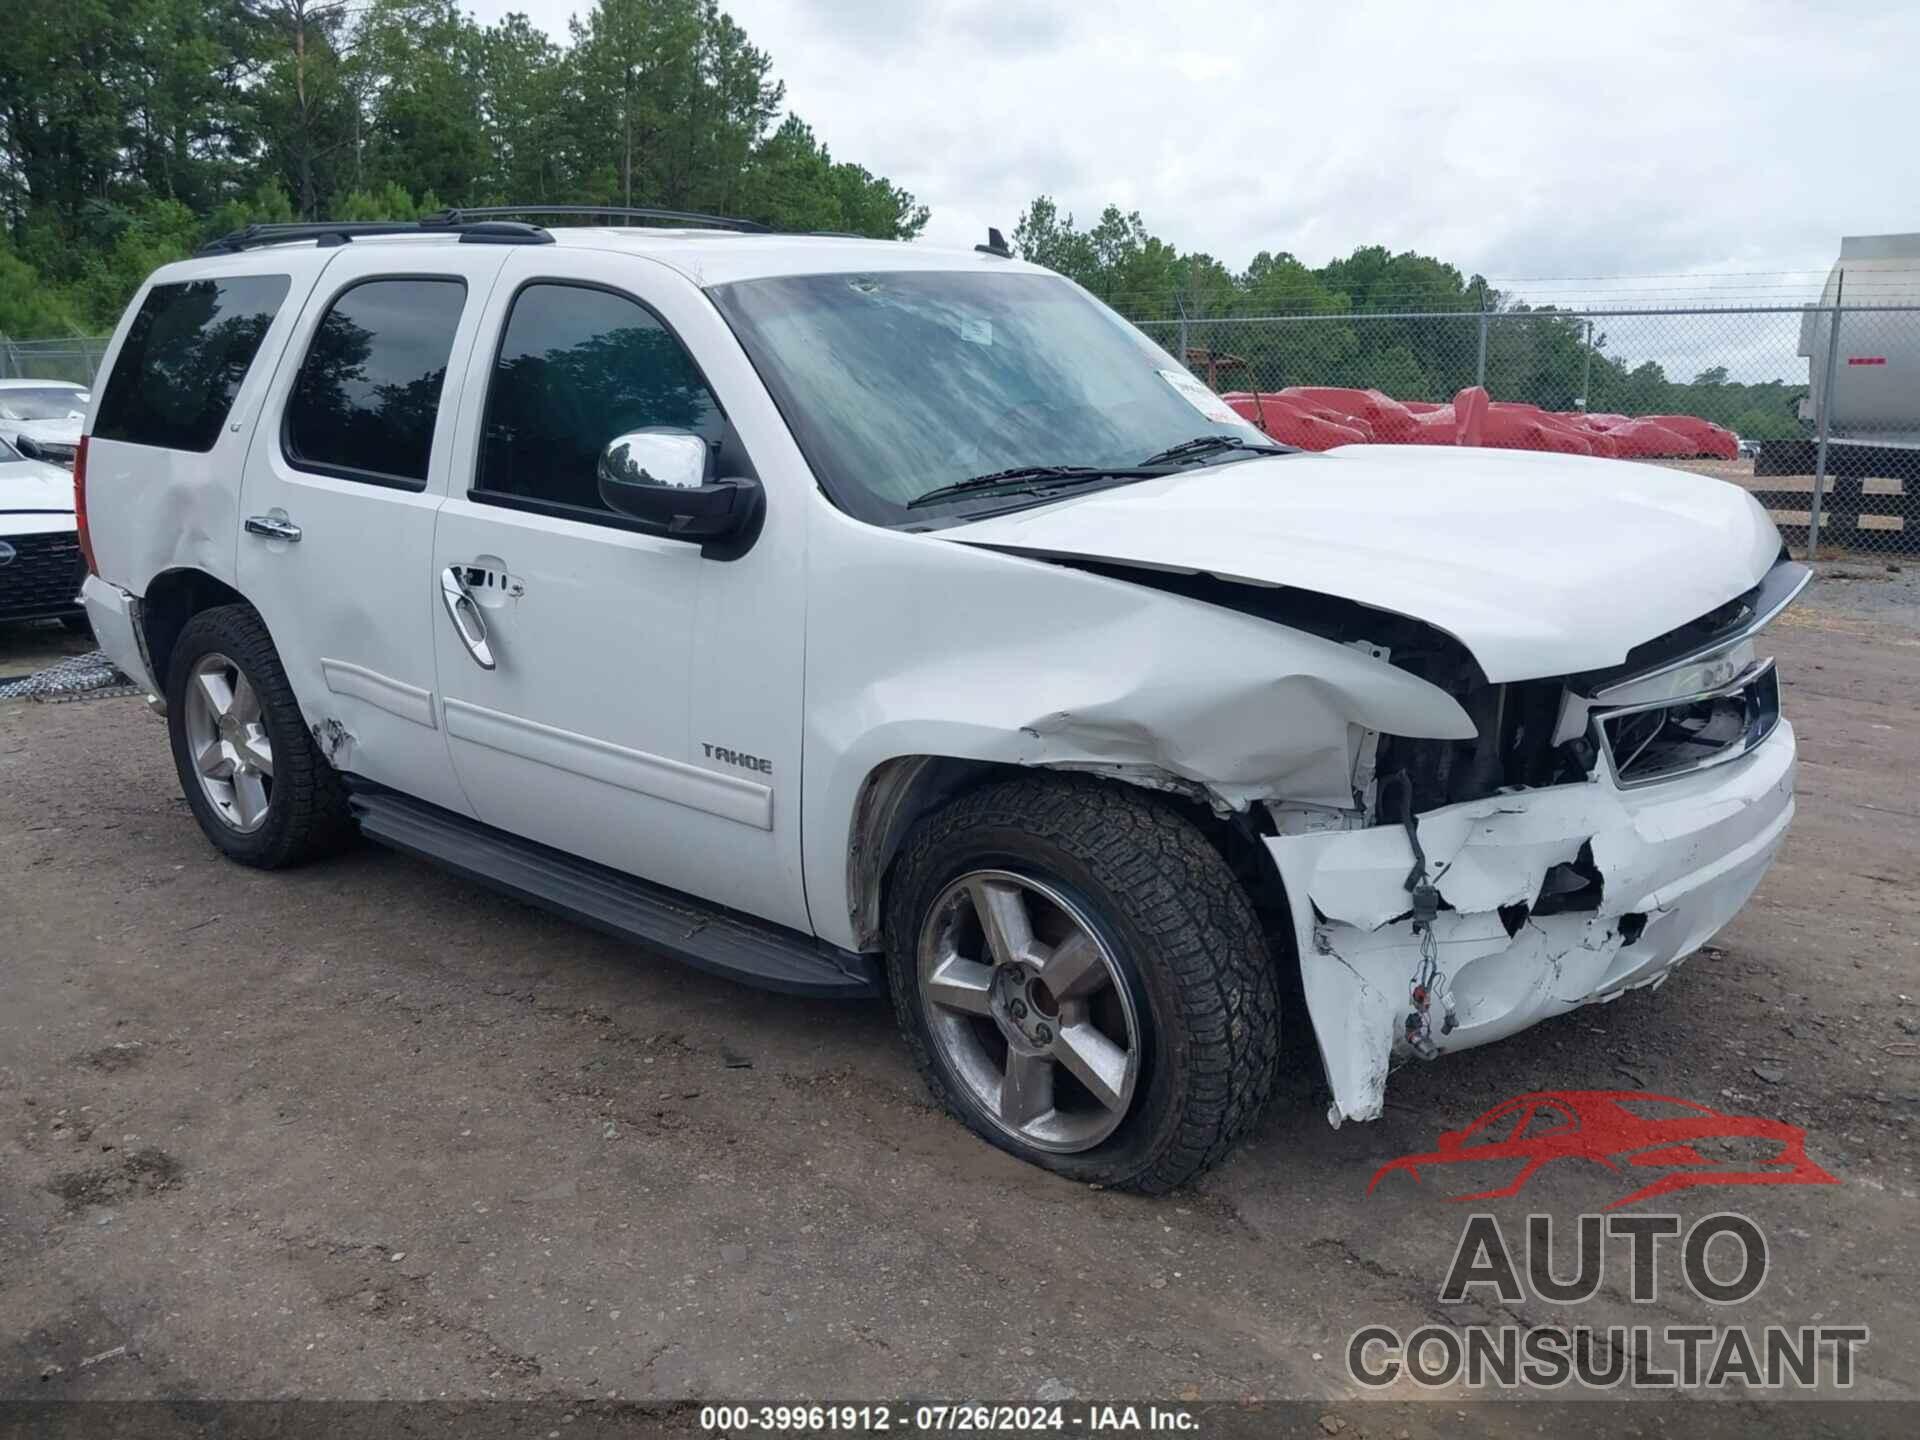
1674,861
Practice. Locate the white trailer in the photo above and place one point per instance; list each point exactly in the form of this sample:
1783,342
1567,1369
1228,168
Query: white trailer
1863,393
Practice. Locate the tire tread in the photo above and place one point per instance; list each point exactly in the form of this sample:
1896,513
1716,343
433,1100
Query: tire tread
1180,895
317,821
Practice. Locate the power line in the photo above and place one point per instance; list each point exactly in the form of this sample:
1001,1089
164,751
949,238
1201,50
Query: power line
1653,275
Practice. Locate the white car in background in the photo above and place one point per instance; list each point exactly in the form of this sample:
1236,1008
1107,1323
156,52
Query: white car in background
40,565
42,418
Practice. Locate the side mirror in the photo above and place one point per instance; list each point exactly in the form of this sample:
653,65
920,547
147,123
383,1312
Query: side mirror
659,477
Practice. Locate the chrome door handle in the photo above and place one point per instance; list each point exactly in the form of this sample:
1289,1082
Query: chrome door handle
274,527
461,609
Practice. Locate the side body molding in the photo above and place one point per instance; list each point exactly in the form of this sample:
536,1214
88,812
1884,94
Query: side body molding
728,796
396,697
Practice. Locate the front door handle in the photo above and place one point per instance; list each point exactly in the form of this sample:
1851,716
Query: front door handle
274,527
465,614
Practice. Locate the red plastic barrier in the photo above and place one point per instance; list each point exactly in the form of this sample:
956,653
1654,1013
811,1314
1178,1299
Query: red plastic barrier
1292,424
1318,417
1389,420
1708,439
1513,427
1470,416
1438,426
1644,440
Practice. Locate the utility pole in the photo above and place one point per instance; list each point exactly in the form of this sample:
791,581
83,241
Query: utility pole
1826,420
1480,365
1586,373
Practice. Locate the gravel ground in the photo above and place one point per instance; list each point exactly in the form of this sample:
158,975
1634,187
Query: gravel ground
1885,592
364,1130
25,648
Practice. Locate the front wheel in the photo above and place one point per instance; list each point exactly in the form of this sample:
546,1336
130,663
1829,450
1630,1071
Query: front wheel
1082,981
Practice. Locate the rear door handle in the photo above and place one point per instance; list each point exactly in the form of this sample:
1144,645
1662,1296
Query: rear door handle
466,616
274,527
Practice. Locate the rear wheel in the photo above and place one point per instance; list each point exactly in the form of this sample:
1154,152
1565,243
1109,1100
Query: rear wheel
260,790
1082,981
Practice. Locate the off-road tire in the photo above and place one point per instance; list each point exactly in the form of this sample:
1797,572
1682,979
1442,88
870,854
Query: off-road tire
1175,920
307,815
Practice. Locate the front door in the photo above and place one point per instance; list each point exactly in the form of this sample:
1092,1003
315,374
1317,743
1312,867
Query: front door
615,694
346,470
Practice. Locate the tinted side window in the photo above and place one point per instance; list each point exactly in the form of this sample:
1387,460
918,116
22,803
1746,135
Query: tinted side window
578,367
364,403
184,358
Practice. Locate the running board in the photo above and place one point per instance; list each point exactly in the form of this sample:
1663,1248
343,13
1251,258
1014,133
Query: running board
707,937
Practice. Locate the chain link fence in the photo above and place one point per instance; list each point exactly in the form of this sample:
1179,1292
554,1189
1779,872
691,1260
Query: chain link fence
1827,435
76,359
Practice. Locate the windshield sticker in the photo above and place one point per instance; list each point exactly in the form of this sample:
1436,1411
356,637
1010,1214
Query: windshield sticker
1203,399
979,332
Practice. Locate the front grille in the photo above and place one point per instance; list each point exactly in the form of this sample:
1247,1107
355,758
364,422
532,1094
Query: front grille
43,577
1514,749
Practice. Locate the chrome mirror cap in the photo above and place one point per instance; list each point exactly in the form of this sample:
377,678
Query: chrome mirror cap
672,459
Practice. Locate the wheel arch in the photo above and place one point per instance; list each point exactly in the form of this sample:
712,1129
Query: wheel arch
897,793
174,597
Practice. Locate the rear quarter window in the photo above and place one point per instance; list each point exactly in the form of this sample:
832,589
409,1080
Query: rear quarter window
187,351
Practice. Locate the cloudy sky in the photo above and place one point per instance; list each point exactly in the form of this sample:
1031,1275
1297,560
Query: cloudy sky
1515,139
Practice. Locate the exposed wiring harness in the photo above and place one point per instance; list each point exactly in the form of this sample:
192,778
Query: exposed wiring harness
1425,985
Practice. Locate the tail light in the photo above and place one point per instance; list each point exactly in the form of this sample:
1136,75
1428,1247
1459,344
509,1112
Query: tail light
80,506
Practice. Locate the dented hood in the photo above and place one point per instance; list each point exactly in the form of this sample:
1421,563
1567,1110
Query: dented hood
1539,564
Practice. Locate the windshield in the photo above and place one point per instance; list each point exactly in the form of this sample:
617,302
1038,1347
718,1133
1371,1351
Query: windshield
900,382
7,452
52,403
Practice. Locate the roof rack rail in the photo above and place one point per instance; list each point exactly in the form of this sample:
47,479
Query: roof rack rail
695,218
340,232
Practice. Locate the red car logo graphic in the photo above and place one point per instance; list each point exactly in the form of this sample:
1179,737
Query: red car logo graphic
1623,1130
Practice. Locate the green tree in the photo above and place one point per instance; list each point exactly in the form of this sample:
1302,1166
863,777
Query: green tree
123,246
521,83
793,183
418,66
1048,238
307,111
28,306
63,132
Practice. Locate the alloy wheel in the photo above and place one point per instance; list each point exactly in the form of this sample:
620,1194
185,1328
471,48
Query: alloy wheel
227,743
1029,1009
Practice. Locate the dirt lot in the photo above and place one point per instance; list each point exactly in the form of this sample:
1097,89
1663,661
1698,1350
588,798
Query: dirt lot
364,1130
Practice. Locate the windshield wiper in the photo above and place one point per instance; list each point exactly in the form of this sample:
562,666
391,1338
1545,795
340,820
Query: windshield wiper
1203,445
1034,479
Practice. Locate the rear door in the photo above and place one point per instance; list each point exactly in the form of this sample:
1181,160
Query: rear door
345,473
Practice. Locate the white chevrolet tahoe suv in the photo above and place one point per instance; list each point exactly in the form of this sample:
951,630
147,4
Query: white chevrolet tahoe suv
856,618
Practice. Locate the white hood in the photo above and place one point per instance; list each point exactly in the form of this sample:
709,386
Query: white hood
34,485
1539,564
